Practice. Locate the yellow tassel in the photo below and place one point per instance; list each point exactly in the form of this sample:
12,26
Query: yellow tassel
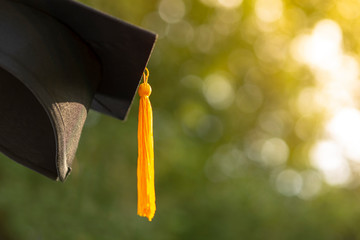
145,167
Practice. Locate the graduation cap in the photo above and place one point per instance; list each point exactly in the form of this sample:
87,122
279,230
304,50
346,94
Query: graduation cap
58,59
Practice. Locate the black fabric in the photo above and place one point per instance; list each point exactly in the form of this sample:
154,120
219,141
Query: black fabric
60,71
25,126
57,59
122,49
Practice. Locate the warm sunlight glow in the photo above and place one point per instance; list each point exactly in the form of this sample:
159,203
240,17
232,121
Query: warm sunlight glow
227,4
344,128
337,85
322,48
230,3
327,157
269,10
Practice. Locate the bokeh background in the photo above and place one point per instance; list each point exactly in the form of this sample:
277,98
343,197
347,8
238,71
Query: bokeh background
256,126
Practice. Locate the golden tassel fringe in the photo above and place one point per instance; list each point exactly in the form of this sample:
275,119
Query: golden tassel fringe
145,167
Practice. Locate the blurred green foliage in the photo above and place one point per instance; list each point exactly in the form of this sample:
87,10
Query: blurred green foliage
232,138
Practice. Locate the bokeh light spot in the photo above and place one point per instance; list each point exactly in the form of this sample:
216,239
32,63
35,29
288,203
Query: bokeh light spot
344,128
274,152
222,3
229,3
327,157
218,91
172,11
269,10
322,48
289,182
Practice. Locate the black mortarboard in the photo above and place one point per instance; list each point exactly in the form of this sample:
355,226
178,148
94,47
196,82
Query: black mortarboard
58,58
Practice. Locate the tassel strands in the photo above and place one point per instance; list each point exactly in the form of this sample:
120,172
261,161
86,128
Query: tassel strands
145,167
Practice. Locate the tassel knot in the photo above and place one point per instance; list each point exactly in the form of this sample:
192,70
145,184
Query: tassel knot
144,90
